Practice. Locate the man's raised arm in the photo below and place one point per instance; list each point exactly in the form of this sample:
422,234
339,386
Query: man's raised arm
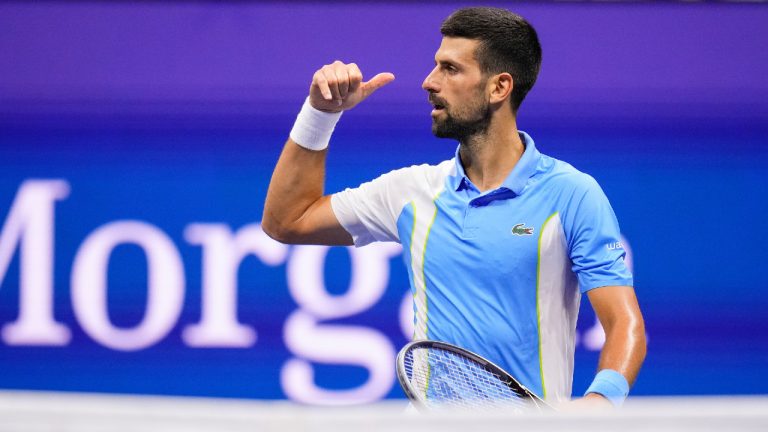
296,209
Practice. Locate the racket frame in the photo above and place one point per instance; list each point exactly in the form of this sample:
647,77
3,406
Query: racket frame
418,400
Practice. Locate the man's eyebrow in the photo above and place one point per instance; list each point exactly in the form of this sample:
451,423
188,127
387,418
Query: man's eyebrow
446,63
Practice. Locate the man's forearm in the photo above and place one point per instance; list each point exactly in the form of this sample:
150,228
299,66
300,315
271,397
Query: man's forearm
624,349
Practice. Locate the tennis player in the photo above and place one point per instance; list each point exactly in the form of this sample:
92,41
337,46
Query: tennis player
500,240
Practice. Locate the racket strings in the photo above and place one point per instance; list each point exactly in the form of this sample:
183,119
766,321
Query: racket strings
446,379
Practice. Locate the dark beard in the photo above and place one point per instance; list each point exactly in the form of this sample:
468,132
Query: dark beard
460,129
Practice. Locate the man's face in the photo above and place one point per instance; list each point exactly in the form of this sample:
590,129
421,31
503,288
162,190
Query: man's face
457,91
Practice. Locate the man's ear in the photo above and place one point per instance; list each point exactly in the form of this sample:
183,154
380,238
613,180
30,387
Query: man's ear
501,86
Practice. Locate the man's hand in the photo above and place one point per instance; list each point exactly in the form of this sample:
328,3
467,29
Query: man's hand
590,403
338,86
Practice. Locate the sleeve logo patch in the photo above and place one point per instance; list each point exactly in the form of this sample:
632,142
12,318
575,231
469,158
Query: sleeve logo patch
521,230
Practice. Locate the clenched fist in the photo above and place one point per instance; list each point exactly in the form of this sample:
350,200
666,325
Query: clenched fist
339,86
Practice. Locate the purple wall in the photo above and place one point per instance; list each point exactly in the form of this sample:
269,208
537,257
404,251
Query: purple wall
655,59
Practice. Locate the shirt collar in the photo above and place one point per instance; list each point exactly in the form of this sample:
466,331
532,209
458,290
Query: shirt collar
516,180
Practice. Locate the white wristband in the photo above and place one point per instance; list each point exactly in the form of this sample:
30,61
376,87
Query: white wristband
313,128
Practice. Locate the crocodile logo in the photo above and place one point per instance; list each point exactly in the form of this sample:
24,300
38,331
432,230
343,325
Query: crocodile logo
521,230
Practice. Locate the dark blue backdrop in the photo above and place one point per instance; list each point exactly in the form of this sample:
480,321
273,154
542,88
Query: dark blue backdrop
174,114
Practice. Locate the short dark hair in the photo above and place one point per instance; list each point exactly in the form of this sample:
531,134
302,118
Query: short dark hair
508,43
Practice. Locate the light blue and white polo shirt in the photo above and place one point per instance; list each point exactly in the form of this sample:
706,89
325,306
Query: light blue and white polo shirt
499,272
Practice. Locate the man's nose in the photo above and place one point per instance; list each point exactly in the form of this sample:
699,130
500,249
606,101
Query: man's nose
429,83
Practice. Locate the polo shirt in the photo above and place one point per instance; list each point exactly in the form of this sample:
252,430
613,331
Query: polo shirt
499,272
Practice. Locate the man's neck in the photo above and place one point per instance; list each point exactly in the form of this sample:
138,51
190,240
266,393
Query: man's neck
488,158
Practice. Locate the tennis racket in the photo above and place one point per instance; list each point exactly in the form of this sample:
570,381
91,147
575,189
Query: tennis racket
438,375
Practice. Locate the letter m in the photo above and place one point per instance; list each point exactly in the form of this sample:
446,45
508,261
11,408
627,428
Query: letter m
29,227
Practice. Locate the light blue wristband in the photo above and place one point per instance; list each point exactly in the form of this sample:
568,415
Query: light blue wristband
610,384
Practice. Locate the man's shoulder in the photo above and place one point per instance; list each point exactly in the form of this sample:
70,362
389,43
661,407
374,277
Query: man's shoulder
573,190
564,175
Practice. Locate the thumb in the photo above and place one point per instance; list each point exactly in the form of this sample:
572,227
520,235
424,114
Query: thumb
377,82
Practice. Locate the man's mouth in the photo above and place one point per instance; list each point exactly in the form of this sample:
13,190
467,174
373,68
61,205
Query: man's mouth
437,106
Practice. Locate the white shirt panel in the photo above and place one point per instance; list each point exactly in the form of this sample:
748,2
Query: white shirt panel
370,211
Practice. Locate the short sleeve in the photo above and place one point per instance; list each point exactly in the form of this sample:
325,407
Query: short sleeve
369,212
594,239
